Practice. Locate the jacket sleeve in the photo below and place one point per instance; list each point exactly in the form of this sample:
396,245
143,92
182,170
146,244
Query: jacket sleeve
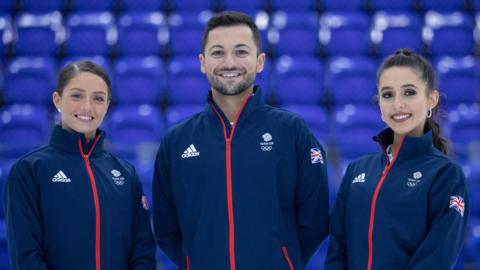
311,194
168,234
337,249
23,219
143,252
449,204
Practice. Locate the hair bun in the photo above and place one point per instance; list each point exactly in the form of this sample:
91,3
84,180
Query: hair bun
406,52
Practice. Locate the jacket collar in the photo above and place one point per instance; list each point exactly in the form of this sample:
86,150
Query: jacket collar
411,146
255,102
68,141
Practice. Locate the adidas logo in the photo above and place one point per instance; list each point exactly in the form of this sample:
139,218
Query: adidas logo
359,178
190,152
61,177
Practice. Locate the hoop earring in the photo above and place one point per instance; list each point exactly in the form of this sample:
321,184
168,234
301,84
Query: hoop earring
429,113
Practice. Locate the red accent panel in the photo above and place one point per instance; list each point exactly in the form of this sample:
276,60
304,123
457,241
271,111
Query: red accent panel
374,204
231,223
228,156
95,199
285,253
188,262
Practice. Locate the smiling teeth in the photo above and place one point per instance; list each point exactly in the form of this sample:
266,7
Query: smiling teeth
82,117
401,117
230,75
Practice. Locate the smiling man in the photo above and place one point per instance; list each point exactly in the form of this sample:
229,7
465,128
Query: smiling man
240,185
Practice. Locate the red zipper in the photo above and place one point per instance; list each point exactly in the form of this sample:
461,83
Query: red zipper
228,158
374,204
95,199
285,253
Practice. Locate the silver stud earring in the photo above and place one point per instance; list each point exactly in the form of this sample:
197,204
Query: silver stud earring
58,109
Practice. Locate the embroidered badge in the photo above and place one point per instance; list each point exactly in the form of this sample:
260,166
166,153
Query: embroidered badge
457,203
117,177
417,178
145,202
316,155
267,143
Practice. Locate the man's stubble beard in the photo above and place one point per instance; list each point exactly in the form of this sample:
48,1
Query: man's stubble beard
232,90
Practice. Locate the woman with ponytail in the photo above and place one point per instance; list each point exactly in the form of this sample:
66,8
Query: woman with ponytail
407,206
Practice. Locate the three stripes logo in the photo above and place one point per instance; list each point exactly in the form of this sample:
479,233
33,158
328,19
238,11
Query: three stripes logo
190,152
359,178
61,177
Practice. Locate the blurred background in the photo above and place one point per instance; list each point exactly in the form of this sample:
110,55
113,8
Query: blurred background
322,61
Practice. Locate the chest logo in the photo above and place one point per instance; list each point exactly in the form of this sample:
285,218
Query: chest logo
191,151
267,144
61,177
359,178
117,178
415,179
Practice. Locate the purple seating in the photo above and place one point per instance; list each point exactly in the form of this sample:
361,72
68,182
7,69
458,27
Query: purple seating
316,119
44,30
299,80
186,83
343,5
289,28
30,80
186,29
395,6
23,128
142,34
354,127
458,79
351,80
41,6
345,33
444,5
396,30
135,130
443,28
139,80
90,33
144,5
178,113
92,5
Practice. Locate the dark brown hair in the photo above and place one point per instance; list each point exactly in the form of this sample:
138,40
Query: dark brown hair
232,18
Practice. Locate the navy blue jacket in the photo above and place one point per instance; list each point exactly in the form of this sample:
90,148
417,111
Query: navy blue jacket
410,213
72,205
249,196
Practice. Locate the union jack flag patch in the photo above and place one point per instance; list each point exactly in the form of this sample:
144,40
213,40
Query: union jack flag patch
457,203
145,202
316,155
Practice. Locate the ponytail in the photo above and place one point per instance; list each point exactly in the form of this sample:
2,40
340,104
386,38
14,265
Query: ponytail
439,142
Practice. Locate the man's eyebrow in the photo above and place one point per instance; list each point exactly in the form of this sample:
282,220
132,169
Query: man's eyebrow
215,47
